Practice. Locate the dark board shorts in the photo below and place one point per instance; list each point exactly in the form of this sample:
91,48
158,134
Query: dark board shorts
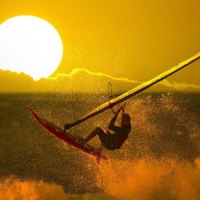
108,140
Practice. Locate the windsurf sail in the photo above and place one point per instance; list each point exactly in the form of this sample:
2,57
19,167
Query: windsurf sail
134,91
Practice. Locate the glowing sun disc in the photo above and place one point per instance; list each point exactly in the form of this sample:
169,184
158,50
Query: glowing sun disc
31,45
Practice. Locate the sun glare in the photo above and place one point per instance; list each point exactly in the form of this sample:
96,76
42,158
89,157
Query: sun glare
31,45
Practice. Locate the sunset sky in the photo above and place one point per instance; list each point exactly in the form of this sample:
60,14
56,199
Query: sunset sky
130,39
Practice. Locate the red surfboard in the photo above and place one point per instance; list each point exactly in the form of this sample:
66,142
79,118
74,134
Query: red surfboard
67,137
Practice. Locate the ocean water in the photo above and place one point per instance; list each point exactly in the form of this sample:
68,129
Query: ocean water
159,161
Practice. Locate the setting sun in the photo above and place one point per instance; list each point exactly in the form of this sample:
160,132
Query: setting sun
31,45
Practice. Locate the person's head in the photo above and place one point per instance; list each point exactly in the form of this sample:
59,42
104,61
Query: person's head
125,120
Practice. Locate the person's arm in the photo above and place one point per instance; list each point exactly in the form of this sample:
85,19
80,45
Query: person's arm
111,125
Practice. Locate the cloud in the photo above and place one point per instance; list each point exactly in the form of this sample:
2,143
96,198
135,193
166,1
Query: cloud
180,86
82,80
125,83
14,82
77,71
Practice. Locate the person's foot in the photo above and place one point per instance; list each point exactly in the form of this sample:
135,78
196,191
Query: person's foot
98,150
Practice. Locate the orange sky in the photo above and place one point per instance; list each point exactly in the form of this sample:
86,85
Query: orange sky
132,39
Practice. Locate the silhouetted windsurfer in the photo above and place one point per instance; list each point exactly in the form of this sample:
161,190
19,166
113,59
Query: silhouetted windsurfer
119,134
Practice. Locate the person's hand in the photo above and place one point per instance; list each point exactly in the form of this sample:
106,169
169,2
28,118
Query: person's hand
116,111
122,107
110,105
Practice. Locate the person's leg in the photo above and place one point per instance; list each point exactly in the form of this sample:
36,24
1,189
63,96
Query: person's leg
95,132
